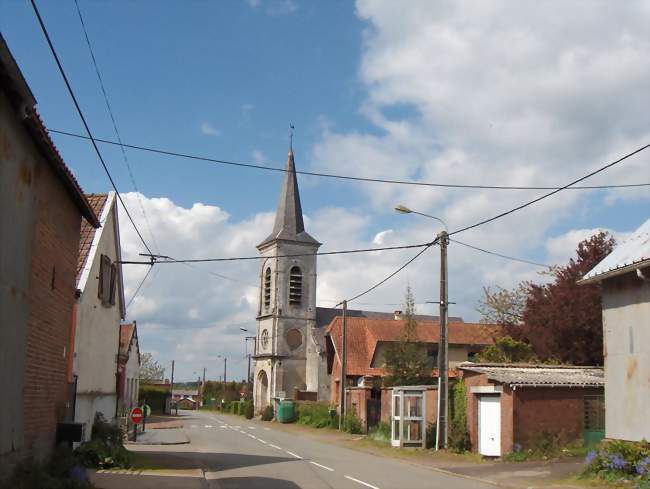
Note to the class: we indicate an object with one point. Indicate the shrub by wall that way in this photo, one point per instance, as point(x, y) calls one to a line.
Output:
point(267, 414)
point(248, 410)
point(316, 414)
point(459, 439)
point(618, 460)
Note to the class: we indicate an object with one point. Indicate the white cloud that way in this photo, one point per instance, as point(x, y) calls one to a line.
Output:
point(560, 248)
point(253, 3)
point(209, 130)
point(247, 108)
point(258, 156)
point(282, 7)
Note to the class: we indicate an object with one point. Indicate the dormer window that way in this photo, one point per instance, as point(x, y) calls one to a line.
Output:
point(267, 288)
point(295, 286)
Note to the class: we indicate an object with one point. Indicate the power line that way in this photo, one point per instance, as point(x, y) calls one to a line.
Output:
point(117, 132)
point(345, 177)
point(83, 119)
point(500, 255)
point(531, 202)
point(139, 286)
point(167, 259)
point(387, 278)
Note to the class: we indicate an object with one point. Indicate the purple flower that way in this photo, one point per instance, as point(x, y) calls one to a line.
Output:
point(617, 462)
point(591, 456)
point(516, 447)
point(642, 466)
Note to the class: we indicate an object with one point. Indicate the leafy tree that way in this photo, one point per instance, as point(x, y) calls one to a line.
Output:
point(563, 320)
point(406, 359)
point(507, 350)
point(150, 369)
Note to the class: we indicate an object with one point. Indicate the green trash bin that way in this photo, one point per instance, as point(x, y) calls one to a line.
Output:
point(286, 411)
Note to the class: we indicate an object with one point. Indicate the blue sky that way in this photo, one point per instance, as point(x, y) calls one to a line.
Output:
point(437, 91)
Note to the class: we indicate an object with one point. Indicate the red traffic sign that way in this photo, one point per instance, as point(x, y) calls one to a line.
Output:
point(137, 415)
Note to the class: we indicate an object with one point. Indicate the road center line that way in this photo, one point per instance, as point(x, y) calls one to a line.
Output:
point(361, 482)
point(252, 436)
point(275, 446)
point(294, 455)
point(262, 441)
point(324, 467)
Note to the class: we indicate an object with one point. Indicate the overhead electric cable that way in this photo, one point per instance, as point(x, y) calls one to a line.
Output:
point(531, 202)
point(117, 132)
point(500, 255)
point(391, 275)
point(139, 286)
point(167, 259)
point(345, 177)
point(83, 119)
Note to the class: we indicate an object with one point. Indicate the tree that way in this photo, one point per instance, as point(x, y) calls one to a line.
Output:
point(406, 359)
point(507, 350)
point(563, 320)
point(150, 369)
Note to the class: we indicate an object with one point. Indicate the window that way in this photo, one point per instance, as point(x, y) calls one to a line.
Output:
point(295, 286)
point(267, 288)
point(107, 277)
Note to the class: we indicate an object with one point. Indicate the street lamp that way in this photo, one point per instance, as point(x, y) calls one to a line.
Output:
point(443, 344)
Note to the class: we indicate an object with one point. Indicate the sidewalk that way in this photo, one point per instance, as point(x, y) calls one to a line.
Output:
point(155, 436)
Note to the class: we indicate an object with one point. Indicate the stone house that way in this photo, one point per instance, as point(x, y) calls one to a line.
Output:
point(518, 406)
point(41, 209)
point(624, 276)
point(97, 315)
point(128, 368)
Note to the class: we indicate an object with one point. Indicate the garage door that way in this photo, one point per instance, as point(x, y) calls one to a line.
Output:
point(489, 426)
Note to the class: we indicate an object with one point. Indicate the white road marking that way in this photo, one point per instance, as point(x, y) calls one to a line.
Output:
point(252, 436)
point(262, 441)
point(275, 446)
point(251, 427)
point(208, 426)
point(361, 482)
point(321, 466)
point(292, 454)
point(223, 426)
point(267, 429)
point(193, 426)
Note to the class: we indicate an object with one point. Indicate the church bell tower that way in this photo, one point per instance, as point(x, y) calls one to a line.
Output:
point(287, 302)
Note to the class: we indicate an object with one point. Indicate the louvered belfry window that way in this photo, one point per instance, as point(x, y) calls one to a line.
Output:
point(267, 288)
point(295, 286)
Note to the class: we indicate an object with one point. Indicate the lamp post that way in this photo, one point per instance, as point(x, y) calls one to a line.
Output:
point(443, 343)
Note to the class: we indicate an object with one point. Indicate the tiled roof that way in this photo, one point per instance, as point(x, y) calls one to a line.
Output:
point(540, 375)
point(630, 254)
point(97, 202)
point(364, 333)
point(126, 333)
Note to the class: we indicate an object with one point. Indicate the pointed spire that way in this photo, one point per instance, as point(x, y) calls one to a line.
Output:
point(289, 224)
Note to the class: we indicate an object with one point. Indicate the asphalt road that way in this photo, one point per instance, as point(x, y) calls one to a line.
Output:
point(237, 453)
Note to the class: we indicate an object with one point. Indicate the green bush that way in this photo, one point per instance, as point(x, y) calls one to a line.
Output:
point(381, 432)
point(316, 414)
point(459, 440)
point(155, 397)
point(105, 449)
point(248, 410)
point(267, 414)
point(617, 459)
point(61, 472)
point(235, 407)
point(352, 424)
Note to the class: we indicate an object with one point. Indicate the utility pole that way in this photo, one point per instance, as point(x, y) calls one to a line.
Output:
point(343, 364)
point(443, 349)
point(172, 389)
point(225, 362)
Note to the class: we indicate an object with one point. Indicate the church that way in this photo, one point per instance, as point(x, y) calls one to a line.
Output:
point(296, 353)
point(290, 345)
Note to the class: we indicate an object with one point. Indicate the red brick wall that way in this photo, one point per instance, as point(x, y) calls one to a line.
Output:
point(51, 297)
point(556, 410)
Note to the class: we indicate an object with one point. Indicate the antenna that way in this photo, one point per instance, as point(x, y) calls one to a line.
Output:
point(291, 128)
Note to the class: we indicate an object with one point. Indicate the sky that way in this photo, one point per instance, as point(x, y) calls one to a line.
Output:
point(491, 92)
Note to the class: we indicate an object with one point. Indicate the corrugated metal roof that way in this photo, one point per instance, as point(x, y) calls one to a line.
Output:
point(540, 375)
point(632, 251)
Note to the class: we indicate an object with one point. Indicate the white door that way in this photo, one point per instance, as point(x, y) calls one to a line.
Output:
point(489, 426)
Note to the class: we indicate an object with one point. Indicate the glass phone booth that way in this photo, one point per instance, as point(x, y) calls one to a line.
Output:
point(408, 427)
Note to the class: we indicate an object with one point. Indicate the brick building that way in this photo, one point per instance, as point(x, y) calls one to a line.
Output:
point(41, 208)
point(369, 337)
point(513, 405)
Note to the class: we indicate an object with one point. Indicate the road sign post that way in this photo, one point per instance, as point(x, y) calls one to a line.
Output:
point(137, 416)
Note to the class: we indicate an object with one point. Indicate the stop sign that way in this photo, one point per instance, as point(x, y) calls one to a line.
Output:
point(137, 415)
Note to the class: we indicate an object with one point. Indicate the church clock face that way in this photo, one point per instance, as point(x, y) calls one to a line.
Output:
point(264, 339)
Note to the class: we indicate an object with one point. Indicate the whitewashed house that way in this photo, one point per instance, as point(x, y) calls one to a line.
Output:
point(97, 315)
point(128, 367)
point(625, 278)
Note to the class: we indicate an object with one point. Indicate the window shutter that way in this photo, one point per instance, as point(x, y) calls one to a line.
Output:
point(113, 283)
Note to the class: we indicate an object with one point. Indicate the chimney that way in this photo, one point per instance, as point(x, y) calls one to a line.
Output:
point(398, 315)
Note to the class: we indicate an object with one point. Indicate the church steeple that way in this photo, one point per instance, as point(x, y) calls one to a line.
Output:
point(289, 224)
